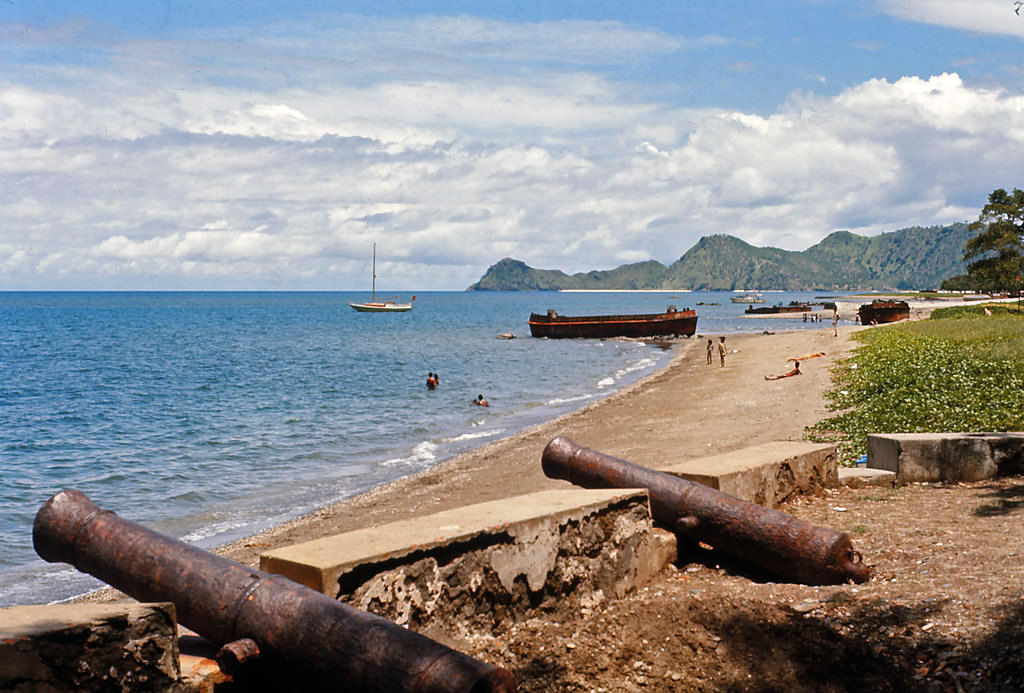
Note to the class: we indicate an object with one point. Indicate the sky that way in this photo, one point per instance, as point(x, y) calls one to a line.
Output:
point(258, 145)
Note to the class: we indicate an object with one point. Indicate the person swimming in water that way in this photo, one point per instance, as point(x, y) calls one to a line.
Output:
point(480, 401)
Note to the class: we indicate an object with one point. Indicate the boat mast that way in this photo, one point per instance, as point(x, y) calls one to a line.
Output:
point(373, 281)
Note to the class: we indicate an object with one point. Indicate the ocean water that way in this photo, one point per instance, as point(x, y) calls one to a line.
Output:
point(210, 416)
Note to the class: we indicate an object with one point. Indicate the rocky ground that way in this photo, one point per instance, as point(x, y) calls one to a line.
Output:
point(942, 612)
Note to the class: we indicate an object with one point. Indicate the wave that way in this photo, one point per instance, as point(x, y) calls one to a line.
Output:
point(568, 400)
point(640, 365)
point(207, 531)
point(474, 436)
point(422, 453)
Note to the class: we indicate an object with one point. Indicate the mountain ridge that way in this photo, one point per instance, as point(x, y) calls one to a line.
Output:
point(910, 258)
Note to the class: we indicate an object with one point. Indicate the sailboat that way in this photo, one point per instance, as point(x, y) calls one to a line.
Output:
point(384, 305)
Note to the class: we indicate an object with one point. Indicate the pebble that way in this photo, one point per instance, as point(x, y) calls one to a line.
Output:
point(805, 606)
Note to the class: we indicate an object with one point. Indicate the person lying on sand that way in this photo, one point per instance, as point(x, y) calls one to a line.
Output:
point(795, 371)
point(806, 356)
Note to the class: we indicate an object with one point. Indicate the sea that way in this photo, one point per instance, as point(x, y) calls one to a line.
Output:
point(209, 416)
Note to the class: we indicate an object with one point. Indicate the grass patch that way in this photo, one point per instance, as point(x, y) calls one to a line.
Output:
point(961, 371)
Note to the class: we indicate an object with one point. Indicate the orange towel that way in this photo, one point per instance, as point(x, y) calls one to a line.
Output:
point(806, 356)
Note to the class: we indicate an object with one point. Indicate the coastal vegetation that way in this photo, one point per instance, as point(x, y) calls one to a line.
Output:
point(961, 370)
point(912, 258)
point(996, 253)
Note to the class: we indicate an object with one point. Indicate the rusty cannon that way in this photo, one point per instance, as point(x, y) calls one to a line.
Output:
point(252, 613)
point(769, 539)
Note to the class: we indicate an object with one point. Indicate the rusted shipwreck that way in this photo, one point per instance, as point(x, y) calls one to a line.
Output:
point(670, 323)
point(881, 311)
point(791, 307)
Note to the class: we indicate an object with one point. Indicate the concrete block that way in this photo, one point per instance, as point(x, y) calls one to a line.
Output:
point(767, 474)
point(947, 456)
point(89, 647)
point(857, 477)
point(471, 567)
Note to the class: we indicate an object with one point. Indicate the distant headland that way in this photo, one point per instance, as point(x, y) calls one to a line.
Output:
point(911, 258)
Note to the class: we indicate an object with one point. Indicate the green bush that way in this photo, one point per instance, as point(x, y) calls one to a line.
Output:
point(959, 371)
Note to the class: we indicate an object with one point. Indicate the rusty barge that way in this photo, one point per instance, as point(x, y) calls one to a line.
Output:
point(879, 312)
point(793, 307)
point(671, 322)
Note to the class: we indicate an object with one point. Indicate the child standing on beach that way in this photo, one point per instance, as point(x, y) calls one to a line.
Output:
point(711, 350)
point(721, 350)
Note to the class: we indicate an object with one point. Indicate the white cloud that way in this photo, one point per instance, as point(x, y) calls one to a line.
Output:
point(982, 16)
point(152, 179)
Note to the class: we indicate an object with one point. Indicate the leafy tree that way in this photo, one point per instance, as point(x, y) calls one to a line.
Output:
point(996, 254)
point(960, 282)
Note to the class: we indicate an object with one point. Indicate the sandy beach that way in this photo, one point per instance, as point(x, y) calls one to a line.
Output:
point(942, 610)
point(688, 409)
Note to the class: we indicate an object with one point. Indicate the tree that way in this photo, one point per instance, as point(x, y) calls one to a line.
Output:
point(996, 254)
point(960, 282)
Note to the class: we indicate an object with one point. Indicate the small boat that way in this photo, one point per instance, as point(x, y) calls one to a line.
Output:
point(793, 307)
point(880, 311)
point(747, 298)
point(671, 322)
point(384, 305)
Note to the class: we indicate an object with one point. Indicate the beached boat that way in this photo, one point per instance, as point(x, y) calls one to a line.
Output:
point(881, 311)
point(793, 307)
point(671, 322)
point(383, 305)
point(747, 298)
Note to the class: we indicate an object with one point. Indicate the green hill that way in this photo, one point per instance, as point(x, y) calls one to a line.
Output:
point(913, 258)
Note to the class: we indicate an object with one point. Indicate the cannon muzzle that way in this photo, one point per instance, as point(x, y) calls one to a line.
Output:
point(225, 602)
point(772, 540)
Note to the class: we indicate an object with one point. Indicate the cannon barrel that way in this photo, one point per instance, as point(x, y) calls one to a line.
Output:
point(225, 601)
point(772, 540)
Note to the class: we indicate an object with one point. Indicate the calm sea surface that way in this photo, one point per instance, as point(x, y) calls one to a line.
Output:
point(210, 416)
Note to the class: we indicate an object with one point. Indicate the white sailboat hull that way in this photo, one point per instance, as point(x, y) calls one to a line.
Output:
point(384, 305)
point(379, 307)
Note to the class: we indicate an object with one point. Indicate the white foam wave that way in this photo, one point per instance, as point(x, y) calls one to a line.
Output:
point(474, 436)
point(422, 453)
point(638, 366)
point(606, 382)
point(568, 400)
point(213, 530)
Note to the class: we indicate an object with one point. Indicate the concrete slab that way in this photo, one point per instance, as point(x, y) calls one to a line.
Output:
point(768, 474)
point(319, 563)
point(947, 456)
point(89, 647)
point(488, 562)
point(856, 477)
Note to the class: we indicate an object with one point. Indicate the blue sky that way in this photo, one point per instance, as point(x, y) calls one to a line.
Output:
point(267, 145)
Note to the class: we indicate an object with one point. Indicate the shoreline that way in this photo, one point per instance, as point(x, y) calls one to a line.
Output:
point(643, 422)
point(636, 423)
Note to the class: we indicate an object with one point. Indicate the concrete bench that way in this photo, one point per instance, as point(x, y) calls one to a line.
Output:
point(487, 562)
point(90, 647)
point(947, 456)
point(767, 474)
